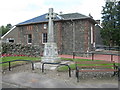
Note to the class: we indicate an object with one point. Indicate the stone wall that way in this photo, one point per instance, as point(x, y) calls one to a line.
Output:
point(19, 49)
point(81, 40)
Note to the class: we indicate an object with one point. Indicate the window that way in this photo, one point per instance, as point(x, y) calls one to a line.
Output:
point(44, 38)
point(29, 27)
point(10, 40)
point(29, 37)
point(45, 26)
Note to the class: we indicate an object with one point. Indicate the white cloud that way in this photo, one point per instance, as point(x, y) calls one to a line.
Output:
point(93, 7)
point(16, 11)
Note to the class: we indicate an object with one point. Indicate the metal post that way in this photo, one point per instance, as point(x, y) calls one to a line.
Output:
point(69, 70)
point(111, 57)
point(73, 55)
point(9, 66)
point(118, 73)
point(32, 65)
point(92, 56)
point(43, 67)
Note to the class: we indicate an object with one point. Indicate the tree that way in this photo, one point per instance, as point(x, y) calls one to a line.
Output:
point(5, 29)
point(111, 29)
point(118, 24)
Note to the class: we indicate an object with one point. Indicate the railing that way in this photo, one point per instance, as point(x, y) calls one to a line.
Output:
point(58, 64)
point(94, 53)
point(17, 60)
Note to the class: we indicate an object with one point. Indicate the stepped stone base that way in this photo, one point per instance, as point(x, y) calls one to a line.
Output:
point(51, 59)
point(50, 53)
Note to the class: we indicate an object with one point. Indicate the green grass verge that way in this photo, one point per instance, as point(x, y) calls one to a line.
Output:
point(34, 59)
point(70, 59)
point(4, 59)
point(72, 66)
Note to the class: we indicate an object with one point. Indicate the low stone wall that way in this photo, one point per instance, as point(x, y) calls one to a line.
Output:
point(19, 49)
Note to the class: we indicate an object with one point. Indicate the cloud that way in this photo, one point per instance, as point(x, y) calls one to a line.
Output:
point(16, 11)
point(85, 7)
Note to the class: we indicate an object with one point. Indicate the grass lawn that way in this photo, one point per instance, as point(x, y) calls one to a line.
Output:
point(72, 66)
point(34, 59)
point(4, 59)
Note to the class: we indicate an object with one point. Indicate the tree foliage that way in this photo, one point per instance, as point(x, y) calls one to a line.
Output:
point(111, 24)
point(5, 29)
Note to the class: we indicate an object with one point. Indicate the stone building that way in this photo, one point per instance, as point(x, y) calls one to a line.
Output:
point(72, 32)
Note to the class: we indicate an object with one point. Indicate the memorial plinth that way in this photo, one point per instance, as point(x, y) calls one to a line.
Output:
point(50, 53)
point(50, 49)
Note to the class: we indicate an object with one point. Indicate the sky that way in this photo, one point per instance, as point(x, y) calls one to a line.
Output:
point(16, 11)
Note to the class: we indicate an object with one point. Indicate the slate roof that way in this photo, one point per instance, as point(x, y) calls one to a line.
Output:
point(38, 19)
point(42, 18)
point(73, 16)
point(34, 20)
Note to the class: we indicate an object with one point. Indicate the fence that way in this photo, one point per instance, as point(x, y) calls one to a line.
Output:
point(17, 60)
point(99, 56)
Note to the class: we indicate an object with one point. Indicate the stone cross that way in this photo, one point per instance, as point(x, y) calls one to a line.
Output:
point(50, 49)
point(51, 15)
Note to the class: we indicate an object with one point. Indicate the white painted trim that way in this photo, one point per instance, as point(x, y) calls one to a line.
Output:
point(45, 26)
point(8, 32)
point(28, 38)
point(98, 25)
point(10, 39)
point(60, 17)
point(42, 39)
point(91, 34)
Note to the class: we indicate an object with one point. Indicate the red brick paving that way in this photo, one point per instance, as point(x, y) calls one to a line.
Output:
point(96, 57)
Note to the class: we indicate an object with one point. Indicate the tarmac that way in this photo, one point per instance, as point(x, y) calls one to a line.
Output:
point(32, 80)
point(35, 80)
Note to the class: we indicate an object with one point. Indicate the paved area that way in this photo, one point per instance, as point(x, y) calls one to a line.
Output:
point(34, 80)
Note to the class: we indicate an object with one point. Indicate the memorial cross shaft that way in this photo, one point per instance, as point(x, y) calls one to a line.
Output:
point(51, 15)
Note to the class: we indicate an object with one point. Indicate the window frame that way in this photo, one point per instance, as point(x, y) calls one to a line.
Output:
point(45, 26)
point(29, 38)
point(8, 40)
point(92, 38)
point(30, 27)
point(44, 38)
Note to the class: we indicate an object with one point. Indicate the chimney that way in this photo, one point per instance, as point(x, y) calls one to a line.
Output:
point(90, 15)
point(98, 22)
point(61, 12)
